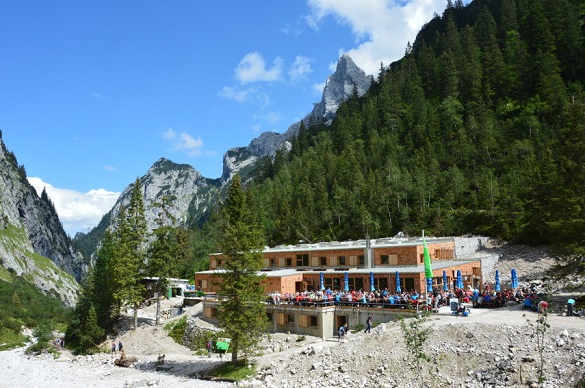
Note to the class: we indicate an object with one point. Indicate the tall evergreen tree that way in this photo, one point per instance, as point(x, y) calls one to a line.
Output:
point(162, 251)
point(241, 289)
point(131, 235)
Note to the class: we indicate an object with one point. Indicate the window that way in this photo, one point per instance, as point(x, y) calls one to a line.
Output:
point(385, 260)
point(269, 317)
point(313, 320)
point(273, 262)
point(281, 319)
point(303, 260)
point(361, 260)
point(291, 318)
point(288, 262)
point(307, 320)
point(333, 283)
point(380, 283)
point(356, 283)
point(408, 284)
point(322, 261)
point(341, 260)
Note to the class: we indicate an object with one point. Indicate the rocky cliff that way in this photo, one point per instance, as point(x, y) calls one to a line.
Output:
point(191, 196)
point(33, 243)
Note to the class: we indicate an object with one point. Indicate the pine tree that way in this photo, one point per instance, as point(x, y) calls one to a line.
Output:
point(241, 289)
point(161, 253)
point(103, 286)
point(129, 269)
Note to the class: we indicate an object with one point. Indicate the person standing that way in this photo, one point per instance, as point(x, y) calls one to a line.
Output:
point(114, 347)
point(209, 348)
point(120, 346)
point(342, 331)
point(368, 324)
point(570, 307)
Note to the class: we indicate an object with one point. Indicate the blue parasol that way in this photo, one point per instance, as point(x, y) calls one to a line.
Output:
point(321, 281)
point(498, 285)
point(398, 289)
point(514, 278)
point(346, 281)
point(372, 287)
point(445, 286)
point(459, 280)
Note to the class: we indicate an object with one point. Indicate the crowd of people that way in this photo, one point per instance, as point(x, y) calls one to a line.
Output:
point(487, 297)
point(379, 298)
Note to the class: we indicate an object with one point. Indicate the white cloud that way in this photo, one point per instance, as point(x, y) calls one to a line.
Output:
point(234, 93)
point(78, 212)
point(110, 168)
point(300, 67)
point(252, 68)
point(290, 30)
point(382, 28)
point(183, 142)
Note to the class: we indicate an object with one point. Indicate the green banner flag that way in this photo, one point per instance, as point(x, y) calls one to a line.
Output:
point(428, 267)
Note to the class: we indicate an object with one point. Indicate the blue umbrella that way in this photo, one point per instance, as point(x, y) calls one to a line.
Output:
point(321, 281)
point(445, 286)
point(514, 278)
point(459, 281)
point(498, 285)
point(346, 281)
point(372, 288)
point(398, 289)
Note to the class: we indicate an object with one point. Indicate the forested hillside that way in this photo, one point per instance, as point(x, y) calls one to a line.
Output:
point(480, 128)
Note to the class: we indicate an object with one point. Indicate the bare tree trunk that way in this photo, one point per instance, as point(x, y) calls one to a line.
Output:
point(234, 353)
point(135, 315)
point(158, 308)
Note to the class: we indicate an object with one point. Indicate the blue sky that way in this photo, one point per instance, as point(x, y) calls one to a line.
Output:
point(93, 92)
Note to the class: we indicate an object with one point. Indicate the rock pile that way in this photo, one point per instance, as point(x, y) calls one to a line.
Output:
point(460, 354)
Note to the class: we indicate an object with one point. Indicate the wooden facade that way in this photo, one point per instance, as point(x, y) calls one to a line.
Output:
point(298, 268)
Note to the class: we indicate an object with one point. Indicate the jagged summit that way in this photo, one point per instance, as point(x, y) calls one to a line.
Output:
point(338, 87)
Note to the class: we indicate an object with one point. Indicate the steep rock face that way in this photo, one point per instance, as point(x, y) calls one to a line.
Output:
point(237, 160)
point(31, 233)
point(189, 192)
point(348, 77)
point(339, 86)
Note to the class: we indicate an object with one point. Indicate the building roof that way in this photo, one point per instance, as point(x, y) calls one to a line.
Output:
point(402, 269)
point(356, 244)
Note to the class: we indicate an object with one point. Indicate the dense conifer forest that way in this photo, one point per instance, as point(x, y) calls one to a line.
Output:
point(479, 128)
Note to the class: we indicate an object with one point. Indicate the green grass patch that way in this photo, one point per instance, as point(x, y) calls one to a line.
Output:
point(176, 329)
point(10, 339)
point(22, 304)
point(234, 371)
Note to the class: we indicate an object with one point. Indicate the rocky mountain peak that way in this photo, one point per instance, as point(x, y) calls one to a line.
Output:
point(346, 79)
